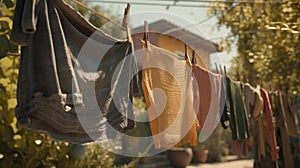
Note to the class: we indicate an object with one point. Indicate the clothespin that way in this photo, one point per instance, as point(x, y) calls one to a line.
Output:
point(186, 57)
point(194, 61)
point(221, 71)
point(125, 22)
point(244, 78)
point(185, 52)
point(261, 83)
point(270, 87)
point(278, 86)
point(146, 33)
point(238, 76)
point(217, 69)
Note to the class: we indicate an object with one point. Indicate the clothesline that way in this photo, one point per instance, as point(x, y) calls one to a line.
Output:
point(96, 12)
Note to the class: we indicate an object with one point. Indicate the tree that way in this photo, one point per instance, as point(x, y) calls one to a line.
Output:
point(267, 35)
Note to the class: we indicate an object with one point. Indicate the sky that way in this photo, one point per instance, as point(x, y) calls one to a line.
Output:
point(181, 16)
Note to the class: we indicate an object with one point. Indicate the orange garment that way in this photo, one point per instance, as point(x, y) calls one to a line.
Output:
point(209, 88)
point(167, 86)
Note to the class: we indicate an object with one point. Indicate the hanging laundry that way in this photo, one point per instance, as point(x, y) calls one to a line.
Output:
point(224, 111)
point(238, 115)
point(270, 125)
point(249, 97)
point(66, 85)
point(167, 86)
point(291, 117)
point(254, 106)
point(239, 148)
point(280, 112)
point(209, 88)
point(295, 113)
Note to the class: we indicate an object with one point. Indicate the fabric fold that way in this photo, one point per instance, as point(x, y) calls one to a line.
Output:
point(209, 90)
point(72, 76)
point(238, 116)
point(224, 111)
point(254, 106)
point(29, 18)
point(167, 86)
point(280, 114)
point(267, 109)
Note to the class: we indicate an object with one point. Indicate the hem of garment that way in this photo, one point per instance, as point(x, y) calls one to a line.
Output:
point(41, 112)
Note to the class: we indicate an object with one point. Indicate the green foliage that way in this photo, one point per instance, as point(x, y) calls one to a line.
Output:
point(6, 14)
point(216, 144)
point(267, 36)
point(142, 129)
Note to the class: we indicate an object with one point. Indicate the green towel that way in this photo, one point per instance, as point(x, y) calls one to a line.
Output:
point(238, 115)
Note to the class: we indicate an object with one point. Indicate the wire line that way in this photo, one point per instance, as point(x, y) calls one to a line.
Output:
point(96, 13)
point(152, 4)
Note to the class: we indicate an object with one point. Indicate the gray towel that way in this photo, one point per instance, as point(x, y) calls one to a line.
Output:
point(72, 76)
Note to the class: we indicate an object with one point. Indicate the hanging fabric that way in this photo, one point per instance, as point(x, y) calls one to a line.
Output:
point(280, 112)
point(238, 116)
point(270, 125)
point(168, 94)
point(73, 95)
point(291, 117)
point(254, 106)
point(224, 111)
point(209, 91)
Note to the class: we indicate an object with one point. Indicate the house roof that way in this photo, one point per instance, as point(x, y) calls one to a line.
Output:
point(191, 39)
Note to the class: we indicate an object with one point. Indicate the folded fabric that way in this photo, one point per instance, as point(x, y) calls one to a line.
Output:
point(209, 88)
point(270, 125)
point(238, 116)
point(167, 86)
point(70, 74)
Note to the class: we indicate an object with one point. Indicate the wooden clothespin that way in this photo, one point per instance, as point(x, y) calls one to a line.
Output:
point(146, 34)
point(185, 52)
point(186, 57)
point(217, 69)
point(238, 76)
point(278, 86)
point(244, 78)
point(221, 71)
point(270, 86)
point(125, 22)
point(225, 73)
point(194, 61)
point(261, 83)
